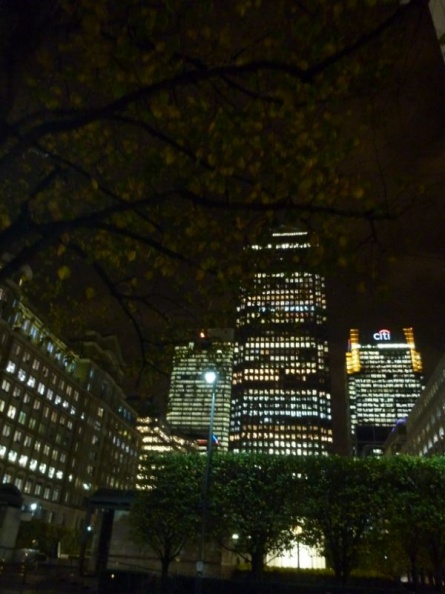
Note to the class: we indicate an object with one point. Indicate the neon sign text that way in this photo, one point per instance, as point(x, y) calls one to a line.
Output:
point(382, 335)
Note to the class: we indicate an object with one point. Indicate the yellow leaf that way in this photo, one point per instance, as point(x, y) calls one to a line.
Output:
point(64, 272)
point(90, 293)
point(5, 221)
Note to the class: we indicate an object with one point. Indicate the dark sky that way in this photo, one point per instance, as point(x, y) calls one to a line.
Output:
point(408, 147)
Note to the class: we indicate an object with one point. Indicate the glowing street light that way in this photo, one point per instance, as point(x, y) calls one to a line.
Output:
point(211, 378)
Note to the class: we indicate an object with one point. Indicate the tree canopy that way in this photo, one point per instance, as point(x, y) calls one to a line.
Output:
point(144, 144)
point(166, 515)
point(355, 511)
point(256, 497)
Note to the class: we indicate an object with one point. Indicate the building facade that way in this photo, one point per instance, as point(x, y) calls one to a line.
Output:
point(424, 430)
point(281, 389)
point(384, 381)
point(65, 427)
point(190, 397)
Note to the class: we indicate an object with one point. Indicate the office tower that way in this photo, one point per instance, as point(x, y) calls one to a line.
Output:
point(158, 438)
point(280, 393)
point(190, 396)
point(384, 380)
point(423, 434)
point(65, 428)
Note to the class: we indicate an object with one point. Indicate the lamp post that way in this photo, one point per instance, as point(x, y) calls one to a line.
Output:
point(211, 378)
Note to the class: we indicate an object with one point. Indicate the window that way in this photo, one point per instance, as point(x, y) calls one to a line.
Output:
point(6, 386)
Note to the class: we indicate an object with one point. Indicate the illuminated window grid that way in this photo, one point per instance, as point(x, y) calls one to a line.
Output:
point(383, 383)
point(190, 396)
point(281, 350)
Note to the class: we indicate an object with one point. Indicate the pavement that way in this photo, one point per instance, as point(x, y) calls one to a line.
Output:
point(45, 580)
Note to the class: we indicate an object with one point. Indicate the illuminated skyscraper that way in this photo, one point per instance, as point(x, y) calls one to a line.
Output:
point(280, 393)
point(190, 396)
point(384, 378)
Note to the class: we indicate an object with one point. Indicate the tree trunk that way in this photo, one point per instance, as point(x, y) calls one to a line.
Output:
point(414, 570)
point(165, 564)
point(257, 564)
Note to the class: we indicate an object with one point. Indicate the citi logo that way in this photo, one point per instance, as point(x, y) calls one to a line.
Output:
point(382, 335)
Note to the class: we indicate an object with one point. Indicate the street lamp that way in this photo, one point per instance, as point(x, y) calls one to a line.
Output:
point(211, 378)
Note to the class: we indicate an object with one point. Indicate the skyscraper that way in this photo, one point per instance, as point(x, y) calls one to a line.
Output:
point(280, 393)
point(384, 380)
point(190, 396)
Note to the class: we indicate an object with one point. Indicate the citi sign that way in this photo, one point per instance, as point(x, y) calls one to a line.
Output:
point(382, 335)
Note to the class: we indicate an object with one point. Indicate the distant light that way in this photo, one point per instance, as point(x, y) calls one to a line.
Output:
point(33, 507)
point(210, 377)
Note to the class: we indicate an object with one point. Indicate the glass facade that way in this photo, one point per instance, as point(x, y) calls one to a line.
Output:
point(190, 396)
point(384, 380)
point(280, 394)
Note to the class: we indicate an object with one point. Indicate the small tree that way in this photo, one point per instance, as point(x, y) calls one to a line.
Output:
point(343, 501)
point(165, 515)
point(254, 496)
point(405, 508)
point(416, 511)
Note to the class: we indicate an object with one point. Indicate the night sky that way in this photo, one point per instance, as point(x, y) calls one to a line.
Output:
point(409, 290)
